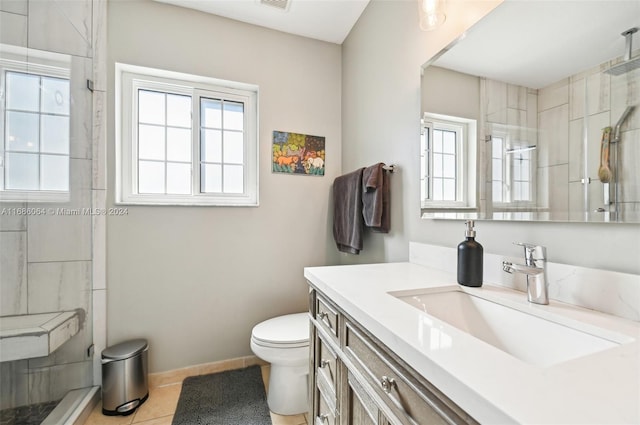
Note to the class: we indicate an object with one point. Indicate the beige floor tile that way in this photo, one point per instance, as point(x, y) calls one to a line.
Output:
point(165, 420)
point(287, 420)
point(97, 418)
point(162, 401)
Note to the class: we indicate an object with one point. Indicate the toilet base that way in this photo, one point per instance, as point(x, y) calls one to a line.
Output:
point(288, 388)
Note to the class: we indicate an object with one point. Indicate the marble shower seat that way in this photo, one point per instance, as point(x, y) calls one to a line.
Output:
point(37, 335)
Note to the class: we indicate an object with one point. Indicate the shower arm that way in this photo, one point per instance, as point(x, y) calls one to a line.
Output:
point(623, 117)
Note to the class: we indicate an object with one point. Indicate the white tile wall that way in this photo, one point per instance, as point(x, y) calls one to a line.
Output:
point(554, 95)
point(14, 384)
point(553, 146)
point(99, 226)
point(559, 191)
point(629, 157)
point(10, 221)
point(516, 97)
point(99, 331)
point(99, 39)
point(99, 185)
point(59, 286)
point(595, 125)
point(53, 382)
point(81, 108)
point(62, 26)
point(14, 6)
point(496, 108)
point(13, 29)
point(598, 92)
point(577, 92)
point(60, 236)
point(99, 160)
point(576, 149)
point(64, 258)
point(13, 279)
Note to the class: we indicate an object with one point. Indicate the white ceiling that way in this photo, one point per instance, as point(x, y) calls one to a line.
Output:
point(534, 43)
point(326, 20)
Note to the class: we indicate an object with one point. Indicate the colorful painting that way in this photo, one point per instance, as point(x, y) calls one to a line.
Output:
point(295, 153)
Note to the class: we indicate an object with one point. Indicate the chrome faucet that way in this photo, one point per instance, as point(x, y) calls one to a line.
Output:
point(535, 268)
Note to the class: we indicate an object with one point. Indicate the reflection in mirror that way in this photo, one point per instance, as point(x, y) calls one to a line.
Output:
point(556, 119)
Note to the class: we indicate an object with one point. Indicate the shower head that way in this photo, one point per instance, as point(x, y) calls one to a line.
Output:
point(628, 64)
point(624, 67)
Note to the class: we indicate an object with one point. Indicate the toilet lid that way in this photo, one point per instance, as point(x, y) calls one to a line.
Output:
point(291, 330)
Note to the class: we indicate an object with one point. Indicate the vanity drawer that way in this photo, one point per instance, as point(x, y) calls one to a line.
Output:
point(327, 316)
point(326, 414)
point(326, 363)
point(409, 401)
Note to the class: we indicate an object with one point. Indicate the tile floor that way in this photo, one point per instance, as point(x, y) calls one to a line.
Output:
point(162, 403)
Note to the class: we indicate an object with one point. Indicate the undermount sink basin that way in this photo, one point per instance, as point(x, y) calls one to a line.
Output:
point(537, 340)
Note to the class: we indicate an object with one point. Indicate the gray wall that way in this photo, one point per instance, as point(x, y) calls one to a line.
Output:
point(450, 93)
point(381, 103)
point(195, 280)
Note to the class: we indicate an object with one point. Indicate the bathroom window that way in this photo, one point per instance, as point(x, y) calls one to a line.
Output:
point(185, 140)
point(35, 115)
point(445, 158)
point(511, 170)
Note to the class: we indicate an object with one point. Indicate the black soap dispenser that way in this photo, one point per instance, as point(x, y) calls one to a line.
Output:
point(470, 259)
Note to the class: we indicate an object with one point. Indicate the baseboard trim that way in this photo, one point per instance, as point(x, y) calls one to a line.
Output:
point(176, 376)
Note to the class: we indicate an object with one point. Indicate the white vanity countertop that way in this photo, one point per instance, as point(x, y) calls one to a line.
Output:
point(489, 384)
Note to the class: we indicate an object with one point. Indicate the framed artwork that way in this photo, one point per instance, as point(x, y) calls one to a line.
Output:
point(295, 153)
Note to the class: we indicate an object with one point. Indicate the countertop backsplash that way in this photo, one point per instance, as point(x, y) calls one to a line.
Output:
point(605, 291)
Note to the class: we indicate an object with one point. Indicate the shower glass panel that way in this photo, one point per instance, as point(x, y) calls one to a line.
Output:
point(46, 241)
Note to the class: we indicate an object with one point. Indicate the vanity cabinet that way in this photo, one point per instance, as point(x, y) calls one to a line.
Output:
point(356, 380)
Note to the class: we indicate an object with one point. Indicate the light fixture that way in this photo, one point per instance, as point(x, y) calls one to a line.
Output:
point(431, 14)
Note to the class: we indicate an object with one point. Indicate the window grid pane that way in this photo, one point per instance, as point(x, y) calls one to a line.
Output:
point(164, 143)
point(521, 177)
point(36, 122)
point(497, 168)
point(443, 173)
point(222, 145)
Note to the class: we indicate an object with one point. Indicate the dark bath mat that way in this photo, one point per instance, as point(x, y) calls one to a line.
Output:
point(234, 397)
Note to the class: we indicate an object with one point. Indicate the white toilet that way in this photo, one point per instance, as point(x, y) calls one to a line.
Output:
point(284, 342)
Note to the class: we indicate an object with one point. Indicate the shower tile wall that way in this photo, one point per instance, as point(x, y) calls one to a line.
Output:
point(49, 262)
point(510, 109)
point(600, 98)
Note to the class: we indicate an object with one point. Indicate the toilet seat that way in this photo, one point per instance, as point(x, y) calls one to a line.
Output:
point(288, 331)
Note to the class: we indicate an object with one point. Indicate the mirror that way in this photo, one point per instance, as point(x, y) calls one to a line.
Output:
point(534, 115)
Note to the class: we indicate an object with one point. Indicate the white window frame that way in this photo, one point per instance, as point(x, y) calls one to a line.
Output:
point(42, 64)
point(131, 78)
point(466, 131)
point(508, 151)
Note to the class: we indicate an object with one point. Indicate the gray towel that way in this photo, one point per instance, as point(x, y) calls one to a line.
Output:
point(375, 198)
point(347, 212)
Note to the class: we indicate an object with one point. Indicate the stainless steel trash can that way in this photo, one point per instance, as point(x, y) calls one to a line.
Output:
point(124, 377)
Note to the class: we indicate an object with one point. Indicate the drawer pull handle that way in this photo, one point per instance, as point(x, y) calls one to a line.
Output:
point(387, 384)
point(321, 419)
point(324, 363)
point(324, 317)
